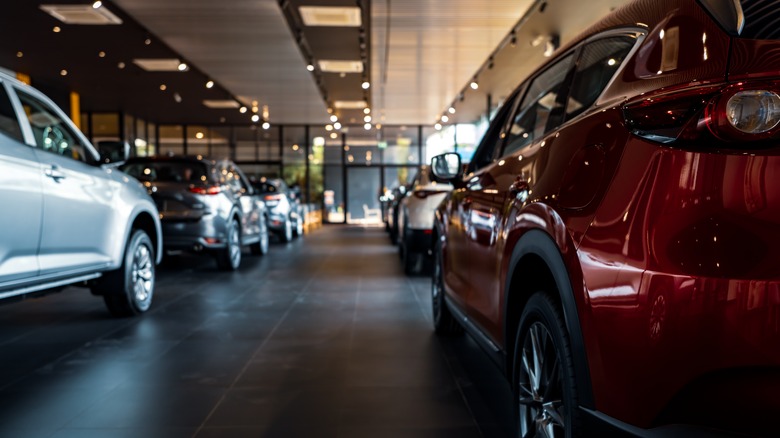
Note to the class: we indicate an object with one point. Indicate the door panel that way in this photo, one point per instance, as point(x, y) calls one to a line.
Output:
point(78, 214)
point(78, 227)
point(20, 222)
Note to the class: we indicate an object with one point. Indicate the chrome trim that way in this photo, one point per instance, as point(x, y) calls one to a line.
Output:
point(51, 285)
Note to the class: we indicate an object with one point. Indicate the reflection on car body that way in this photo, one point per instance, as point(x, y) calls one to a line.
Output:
point(613, 243)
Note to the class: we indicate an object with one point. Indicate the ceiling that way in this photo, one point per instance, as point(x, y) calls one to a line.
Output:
point(419, 56)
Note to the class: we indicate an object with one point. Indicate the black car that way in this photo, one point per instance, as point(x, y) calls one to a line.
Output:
point(205, 206)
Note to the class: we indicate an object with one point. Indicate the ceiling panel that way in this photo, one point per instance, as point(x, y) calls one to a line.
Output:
point(245, 45)
point(423, 52)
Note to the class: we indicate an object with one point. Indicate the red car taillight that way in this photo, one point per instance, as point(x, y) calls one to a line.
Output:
point(736, 116)
point(273, 197)
point(422, 194)
point(210, 190)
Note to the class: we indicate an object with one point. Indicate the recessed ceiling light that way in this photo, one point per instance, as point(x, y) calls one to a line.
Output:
point(147, 41)
point(451, 110)
point(367, 119)
point(366, 110)
point(474, 85)
point(437, 126)
point(199, 135)
point(333, 135)
point(63, 72)
point(97, 4)
point(338, 16)
point(266, 125)
point(160, 64)
point(366, 85)
point(310, 67)
point(183, 67)
point(334, 118)
point(177, 97)
point(242, 110)
point(367, 126)
point(163, 87)
point(210, 84)
point(121, 65)
point(337, 125)
point(57, 29)
point(222, 104)
point(81, 14)
point(19, 54)
point(337, 66)
point(349, 104)
point(102, 54)
point(445, 118)
point(255, 118)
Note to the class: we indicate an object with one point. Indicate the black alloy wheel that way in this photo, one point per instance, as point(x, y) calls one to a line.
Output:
point(544, 387)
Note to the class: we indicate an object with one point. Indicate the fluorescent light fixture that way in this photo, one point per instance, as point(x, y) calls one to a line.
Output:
point(336, 66)
point(81, 14)
point(333, 16)
point(350, 104)
point(221, 104)
point(159, 64)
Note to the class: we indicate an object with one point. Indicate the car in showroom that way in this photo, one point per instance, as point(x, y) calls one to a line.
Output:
point(415, 219)
point(285, 212)
point(69, 217)
point(390, 201)
point(206, 206)
point(613, 244)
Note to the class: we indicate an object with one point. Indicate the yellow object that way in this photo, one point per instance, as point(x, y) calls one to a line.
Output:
point(75, 108)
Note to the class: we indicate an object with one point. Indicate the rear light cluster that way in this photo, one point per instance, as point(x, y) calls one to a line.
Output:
point(209, 190)
point(422, 194)
point(742, 115)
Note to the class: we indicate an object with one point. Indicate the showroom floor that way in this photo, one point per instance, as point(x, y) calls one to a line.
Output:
point(323, 337)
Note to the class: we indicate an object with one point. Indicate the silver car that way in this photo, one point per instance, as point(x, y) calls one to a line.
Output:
point(68, 216)
point(205, 206)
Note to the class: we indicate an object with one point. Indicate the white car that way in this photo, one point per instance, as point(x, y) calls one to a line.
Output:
point(415, 219)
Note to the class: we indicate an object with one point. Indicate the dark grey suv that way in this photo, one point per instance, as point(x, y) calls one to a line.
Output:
point(205, 206)
point(69, 217)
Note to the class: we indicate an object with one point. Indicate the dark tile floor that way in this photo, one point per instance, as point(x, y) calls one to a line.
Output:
point(323, 337)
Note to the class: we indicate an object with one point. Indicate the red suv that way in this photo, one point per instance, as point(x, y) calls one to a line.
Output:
point(614, 244)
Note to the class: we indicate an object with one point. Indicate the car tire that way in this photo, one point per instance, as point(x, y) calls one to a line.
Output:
point(287, 233)
point(298, 231)
point(260, 247)
point(408, 258)
point(444, 323)
point(229, 258)
point(546, 405)
point(128, 291)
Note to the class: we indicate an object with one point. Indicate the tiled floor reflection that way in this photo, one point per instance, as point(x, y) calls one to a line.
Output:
point(323, 337)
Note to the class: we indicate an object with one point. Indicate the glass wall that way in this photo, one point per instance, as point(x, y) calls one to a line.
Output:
point(171, 139)
point(342, 172)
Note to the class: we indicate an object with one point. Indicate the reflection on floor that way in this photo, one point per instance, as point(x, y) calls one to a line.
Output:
point(323, 337)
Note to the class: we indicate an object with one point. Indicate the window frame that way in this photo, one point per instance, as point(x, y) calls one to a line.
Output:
point(91, 157)
point(563, 95)
point(14, 103)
